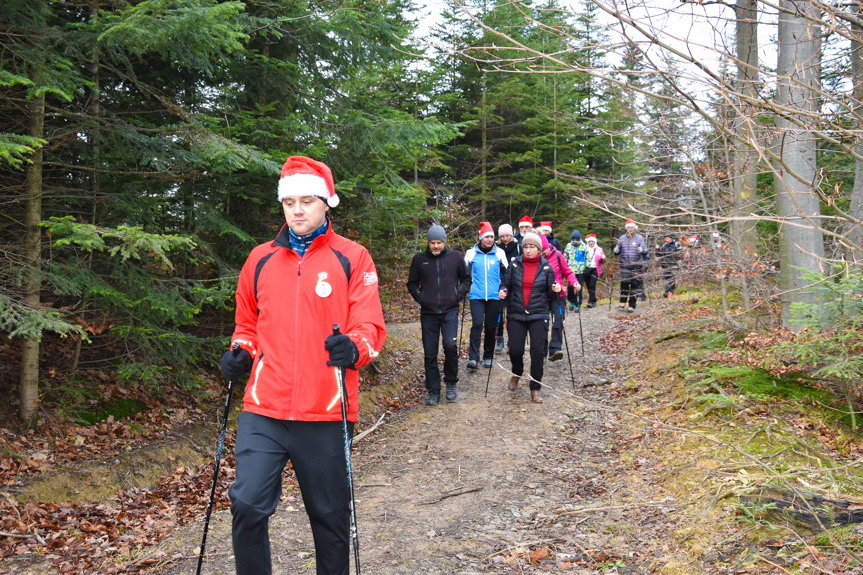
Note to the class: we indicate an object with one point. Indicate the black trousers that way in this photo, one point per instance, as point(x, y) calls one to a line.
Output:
point(576, 297)
point(631, 285)
point(518, 330)
point(485, 315)
point(317, 451)
point(589, 284)
point(436, 326)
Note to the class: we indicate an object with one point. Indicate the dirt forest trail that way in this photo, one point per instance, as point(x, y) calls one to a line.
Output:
point(497, 483)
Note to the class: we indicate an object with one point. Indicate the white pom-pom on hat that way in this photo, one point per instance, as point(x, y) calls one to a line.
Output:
point(302, 176)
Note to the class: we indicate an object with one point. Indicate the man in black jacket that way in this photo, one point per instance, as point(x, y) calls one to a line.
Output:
point(438, 280)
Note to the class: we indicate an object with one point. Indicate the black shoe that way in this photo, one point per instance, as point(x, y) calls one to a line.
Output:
point(434, 398)
point(471, 364)
point(498, 346)
point(451, 393)
point(591, 305)
point(486, 363)
point(643, 297)
point(556, 355)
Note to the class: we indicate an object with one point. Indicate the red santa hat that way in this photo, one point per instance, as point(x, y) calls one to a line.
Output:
point(525, 221)
point(485, 229)
point(590, 237)
point(545, 226)
point(302, 176)
point(630, 223)
point(715, 233)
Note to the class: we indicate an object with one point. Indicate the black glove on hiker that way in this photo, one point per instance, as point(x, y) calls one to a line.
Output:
point(236, 363)
point(343, 351)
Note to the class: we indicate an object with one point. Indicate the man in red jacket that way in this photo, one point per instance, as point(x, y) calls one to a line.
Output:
point(290, 293)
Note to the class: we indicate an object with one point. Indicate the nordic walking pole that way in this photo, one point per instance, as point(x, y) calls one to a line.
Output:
point(492, 351)
point(461, 331)
point(343, 392)
point(566, 342)
point(610, 290)
point(581, 333)
point(221, 443)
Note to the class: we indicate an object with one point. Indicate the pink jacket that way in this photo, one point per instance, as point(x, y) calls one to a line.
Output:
point(599, 258)
point(559, 265)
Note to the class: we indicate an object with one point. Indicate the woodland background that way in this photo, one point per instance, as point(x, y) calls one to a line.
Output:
point(141, 142)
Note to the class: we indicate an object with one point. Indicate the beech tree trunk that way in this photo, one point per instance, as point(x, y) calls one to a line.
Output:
point(745, 156)
point(855, 231)
point(797, 205)
point(28, 385)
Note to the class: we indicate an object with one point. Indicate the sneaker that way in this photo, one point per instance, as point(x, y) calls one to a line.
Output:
point(671, 294)
point(571, 306)
point(472, 364)
point(621, 306)
point(630, 309)
point(486, 363)
point(451, 393)
point(577, 309)
point(556, 355)
point(434, 398)
point(498, 347)
point(591, 305)
point(643, 297)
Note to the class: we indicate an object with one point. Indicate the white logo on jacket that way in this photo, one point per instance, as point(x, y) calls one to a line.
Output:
point(323, 289)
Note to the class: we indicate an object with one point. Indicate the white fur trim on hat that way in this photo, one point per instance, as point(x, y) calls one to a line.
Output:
point(299, 185)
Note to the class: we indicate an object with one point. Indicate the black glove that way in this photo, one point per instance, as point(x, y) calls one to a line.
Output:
point(236, 363)
point(343, 351)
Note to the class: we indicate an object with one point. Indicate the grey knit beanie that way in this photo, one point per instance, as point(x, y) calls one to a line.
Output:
point(437, 234)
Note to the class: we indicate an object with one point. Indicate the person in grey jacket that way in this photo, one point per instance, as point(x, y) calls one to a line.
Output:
point(438, 280)
point(633, 253)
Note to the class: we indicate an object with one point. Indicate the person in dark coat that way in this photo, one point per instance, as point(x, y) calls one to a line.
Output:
point(438, 281)
point(669, 260)
point(512, 249)
point(633, 253)
point(529, 286)
point(546, 230)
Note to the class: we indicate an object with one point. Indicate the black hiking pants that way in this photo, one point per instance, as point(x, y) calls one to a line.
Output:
point(437, 326)
point(631, 285)
point(485, 313)
point(518, 330)
point(316, 450)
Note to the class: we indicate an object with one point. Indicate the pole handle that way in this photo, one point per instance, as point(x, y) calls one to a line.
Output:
point(336, 329)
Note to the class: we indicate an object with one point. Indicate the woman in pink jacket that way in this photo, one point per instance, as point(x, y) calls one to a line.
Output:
point(561, 271)
point(595, 257)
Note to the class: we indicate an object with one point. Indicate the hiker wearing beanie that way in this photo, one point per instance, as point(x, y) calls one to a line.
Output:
point(574, 252)
point(594, 257)
point(633, 254)
point(557, 307)
point(486, 265)
point(512, 249)
point(438, 281)
point(529, 287)
point(291, 408)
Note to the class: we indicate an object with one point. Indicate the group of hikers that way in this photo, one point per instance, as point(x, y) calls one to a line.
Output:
point(308, 316)
point(517, 281)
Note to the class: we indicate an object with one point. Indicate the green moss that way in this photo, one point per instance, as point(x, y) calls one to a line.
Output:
point(761, 384)
point(119, 409)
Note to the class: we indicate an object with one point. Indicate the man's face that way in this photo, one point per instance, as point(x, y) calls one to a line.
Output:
point(544, 231)
point(487, 242)
point(524, 229)
point(506, 238)
point(304, 214)
point(667, 240)
point(436, 246)
point(630, 231)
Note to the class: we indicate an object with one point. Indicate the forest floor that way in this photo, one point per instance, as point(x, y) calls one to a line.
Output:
point(618, 471)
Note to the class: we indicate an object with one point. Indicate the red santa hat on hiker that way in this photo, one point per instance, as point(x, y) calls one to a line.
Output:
point(525, 221)
point(590, 237)
point(485, 229)
point(630, 224)
point(302, 176)
point(545, 226)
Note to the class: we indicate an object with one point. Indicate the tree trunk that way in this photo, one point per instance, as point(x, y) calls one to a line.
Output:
point(484, 150)
point(745, 157)
point(28, 386)
point(798, 207)
point(855, 231)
